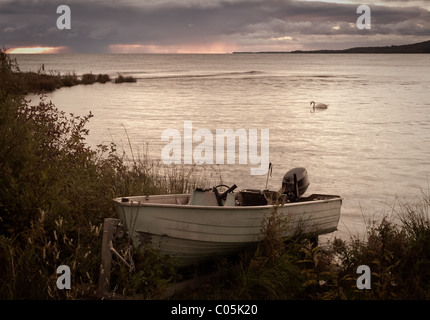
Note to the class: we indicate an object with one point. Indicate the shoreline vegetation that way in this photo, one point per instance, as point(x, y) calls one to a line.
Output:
point(56, 191)
point(42, 81)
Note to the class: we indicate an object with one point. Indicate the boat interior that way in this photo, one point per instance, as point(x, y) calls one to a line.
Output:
point(245, 197)
point(294, 185)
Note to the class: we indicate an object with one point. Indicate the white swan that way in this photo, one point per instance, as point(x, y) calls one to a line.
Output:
point(318, 106)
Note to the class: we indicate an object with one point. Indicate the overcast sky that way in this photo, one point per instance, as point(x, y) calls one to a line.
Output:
point(208, 26)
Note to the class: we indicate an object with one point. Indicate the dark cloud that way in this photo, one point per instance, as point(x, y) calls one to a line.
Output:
point(249, 24)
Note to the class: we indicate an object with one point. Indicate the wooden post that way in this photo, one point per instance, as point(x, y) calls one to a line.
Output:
point(109, 230)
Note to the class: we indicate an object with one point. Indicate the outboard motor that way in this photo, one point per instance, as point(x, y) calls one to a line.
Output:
point(295, 183)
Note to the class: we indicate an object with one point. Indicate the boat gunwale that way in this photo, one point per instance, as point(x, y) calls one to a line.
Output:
point(131, 203)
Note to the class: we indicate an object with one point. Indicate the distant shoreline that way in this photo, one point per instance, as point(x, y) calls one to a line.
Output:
point(416, 48)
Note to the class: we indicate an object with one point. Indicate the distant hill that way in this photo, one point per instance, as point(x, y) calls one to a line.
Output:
point(422, 47)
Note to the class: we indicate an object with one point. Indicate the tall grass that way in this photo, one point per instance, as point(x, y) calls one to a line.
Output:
point(396, 248)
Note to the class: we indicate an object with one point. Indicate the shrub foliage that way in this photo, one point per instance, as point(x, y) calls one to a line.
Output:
point(55, 192)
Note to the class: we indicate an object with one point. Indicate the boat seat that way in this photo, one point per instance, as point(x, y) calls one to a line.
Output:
point(201, 197)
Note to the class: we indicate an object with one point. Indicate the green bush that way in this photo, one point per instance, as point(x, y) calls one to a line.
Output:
point(48, 175)
point(55, 192)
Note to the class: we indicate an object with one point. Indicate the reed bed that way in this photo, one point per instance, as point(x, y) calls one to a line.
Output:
point(121, 79)
point(43, 81)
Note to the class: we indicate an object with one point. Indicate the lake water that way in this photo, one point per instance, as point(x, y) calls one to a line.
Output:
point(370, 146)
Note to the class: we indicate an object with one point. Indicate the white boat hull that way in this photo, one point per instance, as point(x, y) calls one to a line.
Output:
point(195, 233)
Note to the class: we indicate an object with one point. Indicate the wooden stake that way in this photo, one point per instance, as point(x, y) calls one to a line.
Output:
point(109, 230)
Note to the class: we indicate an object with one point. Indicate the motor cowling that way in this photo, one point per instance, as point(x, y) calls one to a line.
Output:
point(295, 183)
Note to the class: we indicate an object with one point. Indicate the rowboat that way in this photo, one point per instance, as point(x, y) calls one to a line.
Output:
point(206, 223)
